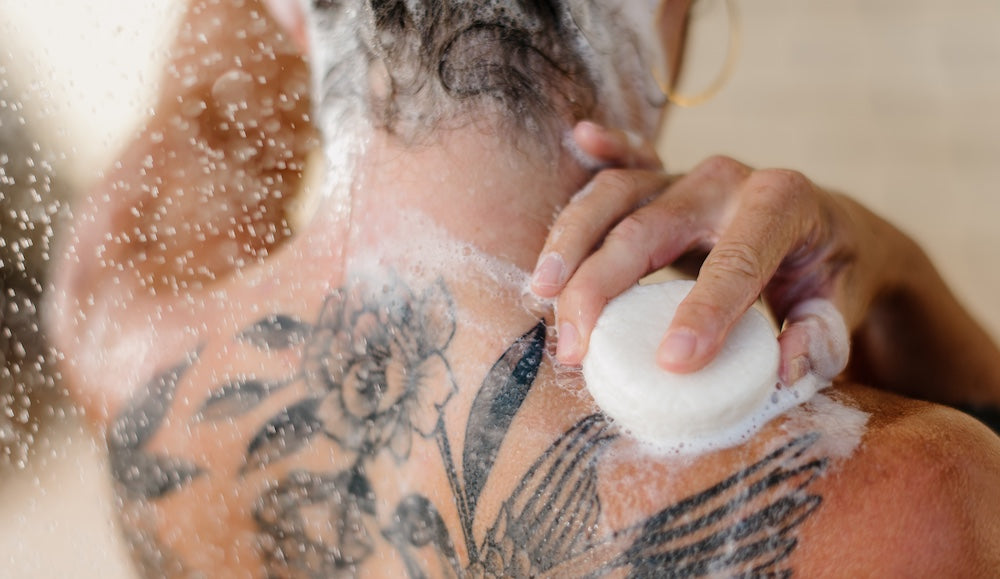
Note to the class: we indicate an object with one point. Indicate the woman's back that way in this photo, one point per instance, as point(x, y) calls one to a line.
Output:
point(395, 425)
point(373, 397)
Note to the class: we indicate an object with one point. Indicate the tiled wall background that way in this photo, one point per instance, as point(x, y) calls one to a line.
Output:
point(892, 101)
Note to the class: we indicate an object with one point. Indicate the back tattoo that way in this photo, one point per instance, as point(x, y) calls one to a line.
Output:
point(374, 379)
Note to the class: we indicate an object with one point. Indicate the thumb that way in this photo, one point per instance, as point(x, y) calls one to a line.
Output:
point(814, 341)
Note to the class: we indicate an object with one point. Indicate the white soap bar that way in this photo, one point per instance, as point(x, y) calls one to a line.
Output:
point(718, 406)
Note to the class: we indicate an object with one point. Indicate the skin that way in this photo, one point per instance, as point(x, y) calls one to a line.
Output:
point(216, 374)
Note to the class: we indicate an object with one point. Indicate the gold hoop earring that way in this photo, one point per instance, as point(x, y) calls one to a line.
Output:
point(732, 55)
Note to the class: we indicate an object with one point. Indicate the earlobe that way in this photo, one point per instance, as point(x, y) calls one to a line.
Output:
point(291, 16)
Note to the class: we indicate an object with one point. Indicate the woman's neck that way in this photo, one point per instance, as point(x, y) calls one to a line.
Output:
point(470, 190)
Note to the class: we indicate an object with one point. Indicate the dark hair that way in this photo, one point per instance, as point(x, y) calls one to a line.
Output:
point(437, 59)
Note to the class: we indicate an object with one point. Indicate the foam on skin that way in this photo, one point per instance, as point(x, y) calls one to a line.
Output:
point(719, 406)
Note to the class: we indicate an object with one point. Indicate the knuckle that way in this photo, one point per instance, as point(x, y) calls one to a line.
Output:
point(737, 260)
point(572, 232)
point(577, 210)
point(721, 166)
point(630, 231)
point(617, 182)
point(581, 302)
point(780, 186)
point(792, 181)
point(706, 312)
point(591, 211)
point(572, 243)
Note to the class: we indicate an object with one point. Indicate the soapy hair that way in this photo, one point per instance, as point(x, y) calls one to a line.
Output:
point(413, 65)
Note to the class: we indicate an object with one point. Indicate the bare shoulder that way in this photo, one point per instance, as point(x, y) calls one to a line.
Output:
point(917, 497)
point(198, 196)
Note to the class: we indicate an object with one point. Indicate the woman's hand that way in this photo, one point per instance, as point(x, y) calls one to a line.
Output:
point(761, 232)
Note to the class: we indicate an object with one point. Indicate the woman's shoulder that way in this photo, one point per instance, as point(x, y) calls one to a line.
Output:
point(917, 497)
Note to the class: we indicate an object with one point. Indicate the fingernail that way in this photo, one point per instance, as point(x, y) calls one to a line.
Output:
point(569, 342)
point(796, 369)
point(678, 347)
point(550, 272)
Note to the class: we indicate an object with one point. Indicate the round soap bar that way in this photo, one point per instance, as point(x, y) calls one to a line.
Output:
point(717, 406)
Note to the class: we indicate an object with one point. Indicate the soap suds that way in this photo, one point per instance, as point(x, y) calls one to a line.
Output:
point(423, 252)
point(439, 251)
point(842, 426)
point(621, 45)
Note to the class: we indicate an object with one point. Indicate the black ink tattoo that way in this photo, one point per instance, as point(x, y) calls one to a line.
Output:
point(291, 540)
point(139, 473)
point(742, 526)
point(236, 398)
point(142, 475)
point(503, 391)
point(551, 518)
point(375, 377)
point(275, 333)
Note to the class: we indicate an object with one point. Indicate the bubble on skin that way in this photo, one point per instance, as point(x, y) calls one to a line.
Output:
point(841, 428)
point(193, 107)
point(536, 304)
point(442, 254)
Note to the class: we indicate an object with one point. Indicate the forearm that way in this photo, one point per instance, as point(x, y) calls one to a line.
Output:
point(917, 339)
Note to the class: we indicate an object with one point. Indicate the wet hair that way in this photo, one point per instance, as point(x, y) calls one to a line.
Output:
point(424, 63)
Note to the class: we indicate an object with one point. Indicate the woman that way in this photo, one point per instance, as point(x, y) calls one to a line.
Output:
point(371, 396)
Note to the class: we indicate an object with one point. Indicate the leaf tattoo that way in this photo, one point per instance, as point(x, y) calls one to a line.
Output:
point(283, 435)
point(502, 393)
point(236, 398)
point(277, 332)
point(139, 473)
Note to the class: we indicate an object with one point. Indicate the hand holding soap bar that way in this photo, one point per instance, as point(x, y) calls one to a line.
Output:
point(717, 406)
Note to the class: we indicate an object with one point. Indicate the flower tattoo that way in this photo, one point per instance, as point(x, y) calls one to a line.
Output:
point(377, 363)
point(295, 522)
